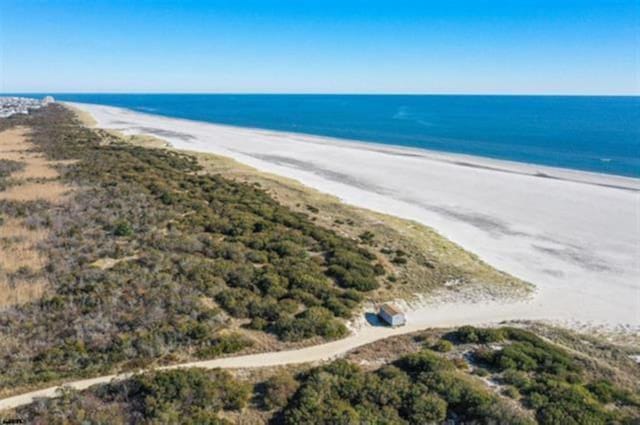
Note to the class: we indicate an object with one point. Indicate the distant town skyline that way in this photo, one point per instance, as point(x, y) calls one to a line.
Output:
point(406, 47)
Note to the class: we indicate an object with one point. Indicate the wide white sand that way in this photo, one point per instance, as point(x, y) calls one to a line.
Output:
point(575, 235)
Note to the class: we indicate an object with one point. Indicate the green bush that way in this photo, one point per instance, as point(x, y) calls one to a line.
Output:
point(422, 388)
point(424, 361)
point(548, 379)
point(189, 239)
point(427, 408)
point(470, 334)
point(314, 321)
point(122, 228)
point(224, 344)
point(278, 390)
point(367, 237)
point(442, 346)
point(511, 392)
point(182, 396)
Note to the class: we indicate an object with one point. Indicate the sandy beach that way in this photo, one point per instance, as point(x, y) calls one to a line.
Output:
point(574, 235)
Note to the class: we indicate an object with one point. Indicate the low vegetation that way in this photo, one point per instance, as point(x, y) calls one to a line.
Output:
point(136, 256)
point(547, 378)
point(190, 396)
point(200, 254)
point(8, 167)
point(418, 387)
point(411, 258)
point(27, 176)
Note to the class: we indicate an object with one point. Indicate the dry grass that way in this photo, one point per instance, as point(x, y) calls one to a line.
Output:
point(148, 141)
point(47, 191)
point(21, 292)
point(14, 145)
point(36, 167)
point(20, 260)
point(385, 351)
point(14, 140)
point(18, 247)
point(19, 251)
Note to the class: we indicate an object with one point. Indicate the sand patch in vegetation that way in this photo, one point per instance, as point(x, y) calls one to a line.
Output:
point(36, 167)
point(108, 263)
point(14, 140)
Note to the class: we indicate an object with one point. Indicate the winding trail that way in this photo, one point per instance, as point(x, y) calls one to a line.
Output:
point(585, 264)
point(429, 316)
point(311, 354)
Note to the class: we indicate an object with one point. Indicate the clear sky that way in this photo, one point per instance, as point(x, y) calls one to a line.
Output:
point(327, 46)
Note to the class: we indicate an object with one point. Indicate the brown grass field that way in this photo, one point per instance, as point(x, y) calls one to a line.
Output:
point(20, 261)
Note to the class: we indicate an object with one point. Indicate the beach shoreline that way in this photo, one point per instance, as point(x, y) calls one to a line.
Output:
point(571, 233)
point(460, 159)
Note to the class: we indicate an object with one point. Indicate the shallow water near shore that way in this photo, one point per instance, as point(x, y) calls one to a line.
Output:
point(592, 133)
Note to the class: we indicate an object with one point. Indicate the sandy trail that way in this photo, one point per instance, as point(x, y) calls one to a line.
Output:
point(575, 235)
point(439, 316)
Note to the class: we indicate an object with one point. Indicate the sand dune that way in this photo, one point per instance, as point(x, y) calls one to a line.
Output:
point(575, 235)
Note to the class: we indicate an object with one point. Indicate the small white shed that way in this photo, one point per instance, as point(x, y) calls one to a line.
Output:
point(392, 315)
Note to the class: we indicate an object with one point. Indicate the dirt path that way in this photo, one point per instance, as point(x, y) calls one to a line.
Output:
point(438, 316)
point(314, 354)
point(14, 145)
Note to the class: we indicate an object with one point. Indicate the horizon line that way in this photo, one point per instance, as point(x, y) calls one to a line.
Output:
point(318, 93)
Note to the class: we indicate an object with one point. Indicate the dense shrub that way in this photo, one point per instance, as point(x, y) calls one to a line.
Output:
point(548, 378)
point(443, 346)
point(422, 388)
point(470, 334)
point(185, 396)
point(192, 242)
point(278, 390)
point(180, 392)
point(314, 321)
point(224, 344)
point(122, 228)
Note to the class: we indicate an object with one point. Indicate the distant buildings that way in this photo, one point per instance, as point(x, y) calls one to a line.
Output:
point(21, 105)
point(391, 315)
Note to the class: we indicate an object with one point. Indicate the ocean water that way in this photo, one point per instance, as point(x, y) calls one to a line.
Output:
point(599, 134)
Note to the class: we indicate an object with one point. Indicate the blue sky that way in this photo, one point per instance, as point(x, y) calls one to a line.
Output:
point(394, 46)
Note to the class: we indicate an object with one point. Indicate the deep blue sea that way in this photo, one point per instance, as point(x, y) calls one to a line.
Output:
point(600, 134)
